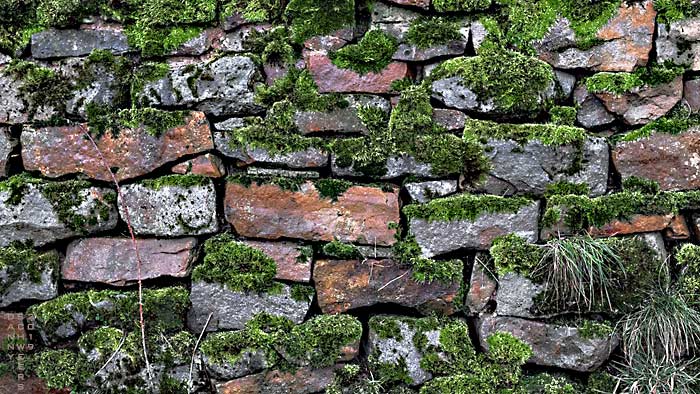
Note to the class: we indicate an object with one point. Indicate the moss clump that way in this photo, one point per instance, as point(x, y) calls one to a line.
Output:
point(102, 119)
point(548, 134)
point(238, 266)
point(518, 83)
point(544, 383)
point(620, 83)
point(61, 369)
point(273, 46)
point(371, 54)
point(42, 87)
point(464, 207)
point(590, 329)
point(183, 181)
point(332, 188)
point(159, 41)
point(461, 5)
point(342, 251)
point(641, 185)
point(512, 253)
point(425, 32)
point(563, 116)
point(676, 121)
point(17, 186)
point(443, 271)
point(254, 10)
point(504, 348)
point(311, 18)
point(103, 340)
point(386, 327)
point(566, 188)
point(675, 10)
point(302, 293)
point(62, 13)
point(298, 88)
point(284, 183)
point(22, 261)
point(688, 258)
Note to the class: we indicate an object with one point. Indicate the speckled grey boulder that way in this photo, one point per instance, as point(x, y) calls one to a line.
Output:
point(102, 90)
point(423, 192)
point(171, 210)
point(7, 144)
point(232, 309)
point(308, 158)
point(396, 166)
point(249, 362)
point(515, 295)
point(677, 42)
point(25, 289)
point(591, 111)
point(35, 218)
point(54, 43)
point(340, 120)
point(438, 237)
point(12, 106)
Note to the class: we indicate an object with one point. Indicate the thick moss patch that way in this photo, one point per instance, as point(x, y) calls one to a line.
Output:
point(675, 10)
point(318, 17)
point(154, 121)
point(461, 5)
point(425, 32)
point(464, 207)
point(371, 54)
point(548, 134)
point(620, 83)
point(253, 10)
point(676, 121)
point(22, 261)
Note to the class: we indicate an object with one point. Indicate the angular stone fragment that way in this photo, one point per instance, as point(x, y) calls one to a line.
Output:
point(360, 214)
point(482, 285)
point(206, 165)
point(41, 219)
point(672, 160)
point(200, 44)
point(232, 309)
point(646, 103)
point(438, 237)
point(411, 53)
point(591, 111)
point(12, 107)
point(113, 260)
point(679, 42)
point(643, 224)
point(7, 144)
point(247, 362)
point(170, 210)
point(450, 119)
point(293, 260)
point(516, 295)
point(396, 166)
point(627, 42)
point(58, 151)
point(53, 43)
point(331, 78)
point(302, 381)
point(330, 42)
point(423, 192)
point(343, 285)
point(26, 288)
point(104, 88)
point(691, 94)
point(221, 87)
point(552, 345)
point(341, 120)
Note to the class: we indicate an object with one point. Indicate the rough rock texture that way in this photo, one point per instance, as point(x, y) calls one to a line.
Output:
point(232, 309)
point(207, 165)
point(643, 224)
point(340, 120)
point(221, 87)
point(36, 219)
point(672, 160)
point(627, 42)
point(360, 214)
point(7, 144)
point(691, 94)
point(646, 103)
point(529, 168)
point(439, 237)
point(555, 346)
point(292, 263)
point(11, 326)
point(250, 362)
point(422, 192)
point(415, 3)
point(482, 285)
point(103, 89)
point(450, 119)
point(113, 260)
point(25, 289)
point(12, 107)
point(170, 210)
point(396, 166)
point(656, 241)
point(677, 42)
point(58, 151)
point(591, 111)
point(515, 295)
point(342, 285)
point(302, 381)
point(54, 43)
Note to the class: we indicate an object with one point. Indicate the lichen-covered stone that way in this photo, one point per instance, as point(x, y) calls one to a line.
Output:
point(55, 43)
point(425, 191)
point(396, 166)
point(113, 260)
point(26, 288)
point(330, 78)
point(58, 151)
point(221, 87)
point(340, 120)
point(208, 165)
point(691, 94)
point(293, 260)
point(170, 210)
point(552, 345)
point(343, 285)
point(482, 285)
point(360, 214)
point(646, 103)
point(677, 42)
point(12, 107)
point(232, 309)
point(7, 144)
point(516, 295)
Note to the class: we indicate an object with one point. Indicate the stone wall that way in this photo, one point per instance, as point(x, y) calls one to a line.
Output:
point(348, 196)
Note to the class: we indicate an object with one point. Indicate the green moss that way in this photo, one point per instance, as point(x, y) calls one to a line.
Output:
point(102, 119)
point(563, 116)
point(590, 329)
point(548, 134)
point(512, 253)
point(17, 186)
point(688, 259)
point(641, 185)
point(620, 83)
point(392, 373)
point(174, 12)
point(41, 87)
point(504, 348)
point(22, 261)
point(62, 13)
point(311, 18)
point(513, 80)
point(386, 327)
point(461, 5)
point(238, 266)
point(425, 32)
point(66, 198)
point(464, 207)
point(429, 270)
point(61, 369)
point(184, 181)
point(299, 88)
point(342, 251)
point(676, 121)
point(544, 383)
point(371, 54)
point(284, 183)
point(254, 10)
point(159, 41)
point(105, 340)
point(675, 10)
point(273, 46)
point(17, 24)
point(302, 293)
point(332, 188)
point(565, 188)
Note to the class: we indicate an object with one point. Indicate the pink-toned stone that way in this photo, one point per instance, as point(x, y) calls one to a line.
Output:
point(342, 285)
point(425, 4)
point(58, 151)
point(207, 165)
point(482, 286)
point(451, 119)
point(361, 214)
point(113, 260)
point(331, 42)
point(292, 265)
point(640, 224)
point(301, 381)
point(11, 328)
point(645, 103)
point(330, 78)
point(691, 94)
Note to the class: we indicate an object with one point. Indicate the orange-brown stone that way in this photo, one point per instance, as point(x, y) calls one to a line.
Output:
point(302, 381)
point(207, 165)
point(292, 264)
point(640, 224)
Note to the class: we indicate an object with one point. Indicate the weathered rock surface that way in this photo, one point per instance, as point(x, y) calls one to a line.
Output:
point(341, 120)
point(7, 144)
point(396, 166)
point(656, 241)
point(11, 326)
point(58, 151)
point(678, 42)
point(482, 285)
point(415, 3)
point(646, 103)
point(672, 160)
point(170, 210)
point(330, 78)
point(422, 192)
point(552, 345)
point(53, 43)
point(591, 111)
point(248, 362)
point(516, 295)
point(529, 168)
point(450, 119)
point(36, 218)
point(361, 214)
point(439, 237)
point(342, 285)
point(104, 88)
point(113, 260)
point(25, 289)
point(232, 309)
point(206, 165)
point(675, 226)
point(293, 260)
point(691, 94)
point(302, 381)
point(12, 107)
point(627, 42)
point(221, 87)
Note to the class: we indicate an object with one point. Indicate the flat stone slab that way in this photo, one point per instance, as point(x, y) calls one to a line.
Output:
point(54, 43)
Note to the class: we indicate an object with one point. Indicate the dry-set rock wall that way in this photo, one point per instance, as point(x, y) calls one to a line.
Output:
point(349, 196)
